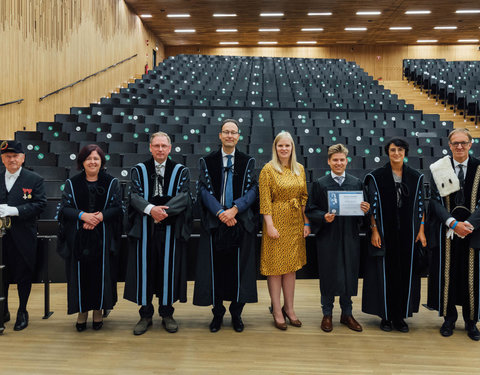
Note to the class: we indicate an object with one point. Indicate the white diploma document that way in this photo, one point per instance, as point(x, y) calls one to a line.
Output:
point(345, 203)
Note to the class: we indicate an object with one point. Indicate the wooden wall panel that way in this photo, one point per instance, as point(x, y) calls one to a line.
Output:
point(380, 61)
point(46, 45)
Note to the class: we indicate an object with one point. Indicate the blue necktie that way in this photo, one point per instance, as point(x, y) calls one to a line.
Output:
point(229, 184)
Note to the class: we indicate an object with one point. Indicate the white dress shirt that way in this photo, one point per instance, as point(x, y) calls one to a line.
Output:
point(10, 178)
point(457, 170)
point(162, 173)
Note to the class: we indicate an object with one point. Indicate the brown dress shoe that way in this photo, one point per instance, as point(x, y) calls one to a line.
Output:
point(327, 324)
point(280, 326)
point(351, 323)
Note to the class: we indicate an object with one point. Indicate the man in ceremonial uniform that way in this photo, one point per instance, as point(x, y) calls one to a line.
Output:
point(22, 199)
point(160, 216)
point(454, 237)
point(227, 192)
point(337, 239)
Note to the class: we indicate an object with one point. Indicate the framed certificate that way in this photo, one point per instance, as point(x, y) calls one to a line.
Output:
point(345, 203)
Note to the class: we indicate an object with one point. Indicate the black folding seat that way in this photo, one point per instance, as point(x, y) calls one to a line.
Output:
point(427, 161)
point(364, 124)
point(317, 160)
point(55, 136)
point(98, 127)
point(394, 116)
point(141, 111)
point(358, 141)
point(375, 161)
point(309, 140)
point(350, 132)
point(58, 147)
point(366, 150)
point(120, 111)
point(135, 137)
point(51, 172)
point(89, 118)
point(355, 162)
point(413, 162)
point(109, 137)
point(405, 124)
point(28, 136)
point(80, 110)
point(188, 138)
point(67, 160)
point(54, 189)
point(122, 147)
point(122, 173)
point(430, 141)
point(74, 127)
point(196, 129)
point(395, 132)
point(40, 159)
point(147, 128)
point(130, 160)
point(376, 116)
point(182, 149)
point(319, 172)
point(327, 133)
point(356, 115)
point(34, 145)
point(323, 115)
point(143, 148)
point(413, 116)
point(59, 117)
point(113, 160)
point(83, 136)
point(205, 148)
point(388, 106)
point(49, 127)
point(112, 119)
point(262, 133)
point(261, 160)
point(324, 123)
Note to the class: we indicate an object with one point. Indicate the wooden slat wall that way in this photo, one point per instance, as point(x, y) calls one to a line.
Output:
point(46, 45)
point(380, 61)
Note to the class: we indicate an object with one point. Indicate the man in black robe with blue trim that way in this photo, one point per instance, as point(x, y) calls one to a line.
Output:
point(227, 194)
point(160, 224)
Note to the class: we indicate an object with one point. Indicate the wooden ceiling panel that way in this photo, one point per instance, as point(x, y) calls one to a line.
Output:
point(248, 21)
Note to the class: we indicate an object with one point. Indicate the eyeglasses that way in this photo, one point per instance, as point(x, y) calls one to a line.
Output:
point(226, 132)
point(462, 144)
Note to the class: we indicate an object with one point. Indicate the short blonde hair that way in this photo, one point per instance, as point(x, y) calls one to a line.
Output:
point(337, 149)
point(293, 164)
point(160, 134)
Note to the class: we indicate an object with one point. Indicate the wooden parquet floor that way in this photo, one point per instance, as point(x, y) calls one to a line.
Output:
point(53, 346)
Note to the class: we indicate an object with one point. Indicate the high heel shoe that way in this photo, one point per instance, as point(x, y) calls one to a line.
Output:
point(81, 326)
point(280, 326)
point(295, 323)
point(97, 325)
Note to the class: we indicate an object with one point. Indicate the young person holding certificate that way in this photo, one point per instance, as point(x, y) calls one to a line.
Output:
point(337, 237)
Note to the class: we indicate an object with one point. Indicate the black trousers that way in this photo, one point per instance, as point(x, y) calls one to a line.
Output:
point(17, 271)
point(148, 310)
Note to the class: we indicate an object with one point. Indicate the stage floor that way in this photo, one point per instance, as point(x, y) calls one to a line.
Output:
point(53, 346)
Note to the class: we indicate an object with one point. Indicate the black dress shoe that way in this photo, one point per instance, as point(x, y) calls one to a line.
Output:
point(22, 321)
point(472, 331)
point(216, 323)
point(237, 323)
point(6, 317)
point(386, 325)
point(446, 329)
point(97, 325)
point(400, 325)
point(81, 326)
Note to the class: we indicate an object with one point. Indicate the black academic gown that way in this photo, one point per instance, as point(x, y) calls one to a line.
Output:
point(28, 195)
point(454, 267)
point(243, 284)
point(92, 274)
point(163, 273)
point(391, 285)
point(338, 242)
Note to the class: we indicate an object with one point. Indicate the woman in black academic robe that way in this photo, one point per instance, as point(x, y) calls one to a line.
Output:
point(90, 219)
point(391, 285)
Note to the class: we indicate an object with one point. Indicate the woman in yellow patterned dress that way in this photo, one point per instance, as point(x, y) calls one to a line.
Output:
point(283, 195)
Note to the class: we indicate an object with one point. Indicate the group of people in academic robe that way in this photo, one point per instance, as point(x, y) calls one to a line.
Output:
point(229, 201)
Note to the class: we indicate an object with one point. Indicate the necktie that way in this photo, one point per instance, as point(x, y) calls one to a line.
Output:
point(158, 181)
point(229, 184)
point(461, 175)
point(460, 196)
point(339, 180)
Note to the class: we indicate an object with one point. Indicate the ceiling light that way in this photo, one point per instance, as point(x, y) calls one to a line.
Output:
point(369, 13)
point(418, 12)
point(224, 15)
point(226, 30)
point(185, 30)
point(468, 40)
point(307, 42)
point(445, 27)
point(225, 43)
point(271, 14)
point(320, 14)
point(145, 15)
point(401, 28)
point(185, 15)
point(268, 30)
point(355, 29)
point(313, 29)
point(427, 41)
point(468, 11)
point(267, 42)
